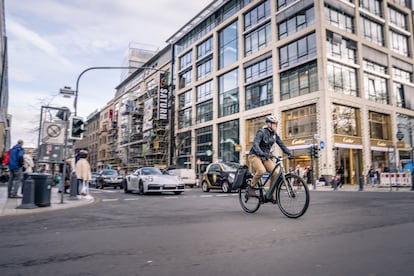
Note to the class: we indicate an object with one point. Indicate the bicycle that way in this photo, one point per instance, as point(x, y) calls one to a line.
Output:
point(292, 193)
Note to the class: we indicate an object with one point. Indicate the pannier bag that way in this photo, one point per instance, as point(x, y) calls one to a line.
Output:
point(242, 174)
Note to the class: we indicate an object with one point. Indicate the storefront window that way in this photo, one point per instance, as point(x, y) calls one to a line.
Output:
point(300, 122)
point(228, 139)
point(379, 125)
point(345, 120)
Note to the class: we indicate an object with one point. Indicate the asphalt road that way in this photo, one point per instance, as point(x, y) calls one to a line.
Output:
point(343, 233)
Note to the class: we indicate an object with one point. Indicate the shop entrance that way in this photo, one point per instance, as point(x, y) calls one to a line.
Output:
point(348, 163)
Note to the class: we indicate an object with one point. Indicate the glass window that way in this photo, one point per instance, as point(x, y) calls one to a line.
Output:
point(228, 93)
point(205, 48)
point(184, 118)
point(376, 88)
point(341, 48)
point(372, 31)
point(298, 21)
point(228, 45)
point(397, 18)
point(257, 15)
point(204, 139)
point(299, 81)
point(284, 3)
point(345, 120)
point(300, 122)
point(205, 91)
point(257, 40)
point(185, 78)
point(401, 75)
point(373, 66)
point(259, 70)
point(259, 94)
point(379, 126)
point(373, 6)
point(298, 51)
point(186, 60)
point(204, 68)
point(399, 43)
point(228, 138)
point(204, 112)
point(342, 79)
point(185, 99)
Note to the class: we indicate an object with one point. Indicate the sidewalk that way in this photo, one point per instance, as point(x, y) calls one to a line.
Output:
point(355, 188)
point(8, 205)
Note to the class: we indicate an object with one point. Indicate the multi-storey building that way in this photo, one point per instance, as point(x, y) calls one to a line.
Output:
point(338, 74)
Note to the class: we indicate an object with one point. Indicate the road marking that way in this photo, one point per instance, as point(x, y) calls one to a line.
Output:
point(223, 195)
point(110, 199)
point(206, 196)
point(130, 199)
point(170, 196)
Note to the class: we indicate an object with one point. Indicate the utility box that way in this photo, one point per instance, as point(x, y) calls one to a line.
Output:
point(42, 188)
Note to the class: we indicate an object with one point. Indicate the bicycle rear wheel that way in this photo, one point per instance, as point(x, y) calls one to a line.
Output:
point(293, 196)
point(249, 204)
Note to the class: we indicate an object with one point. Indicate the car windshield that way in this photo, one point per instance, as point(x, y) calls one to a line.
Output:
point(151, 171)
point(230, 166)
point(109, 172)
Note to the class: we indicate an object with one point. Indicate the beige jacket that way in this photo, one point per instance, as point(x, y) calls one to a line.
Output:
point(83, 169)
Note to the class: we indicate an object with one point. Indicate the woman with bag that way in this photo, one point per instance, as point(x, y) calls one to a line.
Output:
point(83, 172)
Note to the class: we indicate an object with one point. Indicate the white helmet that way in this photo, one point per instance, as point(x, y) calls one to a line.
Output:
point(271, 119)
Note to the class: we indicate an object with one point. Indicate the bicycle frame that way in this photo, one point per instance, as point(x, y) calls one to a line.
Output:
point(278, 180)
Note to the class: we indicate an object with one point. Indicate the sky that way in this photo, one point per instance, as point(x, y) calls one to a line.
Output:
point(50, 42)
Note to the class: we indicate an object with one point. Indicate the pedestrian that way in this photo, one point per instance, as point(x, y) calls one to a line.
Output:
point(65, 184)
point(27, 166)
point(309, 175)
point(16, 162)
point(83, 172)
point(340, 174)
point(372, 176)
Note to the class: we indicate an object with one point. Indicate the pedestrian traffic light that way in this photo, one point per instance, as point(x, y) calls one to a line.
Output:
point(76, 128)
point(310, 151)
point(315, 151)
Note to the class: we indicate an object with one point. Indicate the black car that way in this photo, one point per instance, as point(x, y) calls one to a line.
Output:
point(219, 175)
point(109, 178)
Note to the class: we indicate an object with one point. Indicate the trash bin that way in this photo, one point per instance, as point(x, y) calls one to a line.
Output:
point(42, 188)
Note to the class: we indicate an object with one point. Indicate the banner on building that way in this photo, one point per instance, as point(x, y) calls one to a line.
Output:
point(163, 93)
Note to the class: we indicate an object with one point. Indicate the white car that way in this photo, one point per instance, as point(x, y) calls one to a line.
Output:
point(187, 176)
point(152, 180)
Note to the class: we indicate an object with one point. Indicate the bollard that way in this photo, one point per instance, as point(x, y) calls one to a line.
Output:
point(73, 187)
point(361, 184)
point(28, 195)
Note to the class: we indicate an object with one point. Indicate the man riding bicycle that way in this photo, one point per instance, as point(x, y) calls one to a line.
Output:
point(260, 156)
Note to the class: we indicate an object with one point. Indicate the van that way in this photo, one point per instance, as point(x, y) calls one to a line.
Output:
point(187, 176)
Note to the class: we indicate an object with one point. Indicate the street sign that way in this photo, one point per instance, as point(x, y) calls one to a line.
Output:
point(321, 145)
point(54, 133)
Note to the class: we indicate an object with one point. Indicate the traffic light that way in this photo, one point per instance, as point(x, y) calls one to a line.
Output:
point(315, 151)
point(310, 151)
point(76, 128)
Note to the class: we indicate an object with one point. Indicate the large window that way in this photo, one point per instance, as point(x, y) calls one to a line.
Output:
point(228, 139)
point(184, 118)
point(204, 112)
point(228, 45)
point(300, 122)
point(297, 22)
point(205, 48)
point(185, 78)
point(257, 39)
point(339, 19)
point(185, 99)
point(397, 18)
point(345, 120)
point(340, 48)
point(372, 31)
point(342, 79)
point(258, 70)
point(399, 43)
point(205, 91)
point(298, 51)
point(204, 68)
point(259, 94)
point(204, 146)
point(379, 125)
point(299, 81)
point(376, 88)
point(229, 93)
point(373, 6)
point(257, 15)
point(186, 60)
point(284, 3)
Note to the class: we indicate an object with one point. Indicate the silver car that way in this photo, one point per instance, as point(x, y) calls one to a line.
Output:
point(152, 180)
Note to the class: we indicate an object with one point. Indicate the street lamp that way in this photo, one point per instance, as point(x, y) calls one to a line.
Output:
point(400, 136)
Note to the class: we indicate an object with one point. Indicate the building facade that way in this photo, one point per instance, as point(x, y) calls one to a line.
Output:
point(338, 74)
point(5, 118)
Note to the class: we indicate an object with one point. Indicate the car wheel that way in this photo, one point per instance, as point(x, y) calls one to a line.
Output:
point(204, 187)
point(141, 188)
point(225, 187)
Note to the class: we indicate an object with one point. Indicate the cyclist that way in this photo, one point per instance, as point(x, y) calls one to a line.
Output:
point(259, 155)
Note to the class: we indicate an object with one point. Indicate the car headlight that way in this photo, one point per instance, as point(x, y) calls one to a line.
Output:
point(149, 178)
point(231, 177)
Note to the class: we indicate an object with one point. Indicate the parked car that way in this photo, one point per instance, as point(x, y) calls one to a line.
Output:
point(187, 176)
point(219, 175)
point(109, 178)
point(151, 179)
point(93, 180)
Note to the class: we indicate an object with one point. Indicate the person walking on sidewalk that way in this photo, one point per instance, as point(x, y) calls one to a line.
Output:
point(27, 166)
point(83, 172)
point(260, 156)
point(16, 161)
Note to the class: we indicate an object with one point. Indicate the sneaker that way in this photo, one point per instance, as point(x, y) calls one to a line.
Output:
point(252, 191)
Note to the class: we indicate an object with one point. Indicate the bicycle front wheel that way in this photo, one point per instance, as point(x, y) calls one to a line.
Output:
point(293, 196)
point(249, 204)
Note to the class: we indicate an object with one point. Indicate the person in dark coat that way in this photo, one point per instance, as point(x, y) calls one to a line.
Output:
point(16, 162)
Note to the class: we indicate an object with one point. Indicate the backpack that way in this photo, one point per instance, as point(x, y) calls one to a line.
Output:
point(242, 174)
point(6, 158)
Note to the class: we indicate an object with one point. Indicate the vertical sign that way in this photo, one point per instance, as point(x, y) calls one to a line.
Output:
point(163, 97)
